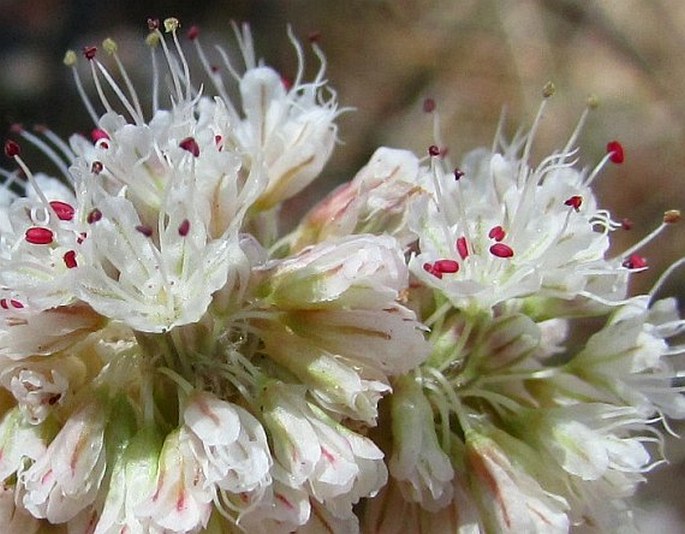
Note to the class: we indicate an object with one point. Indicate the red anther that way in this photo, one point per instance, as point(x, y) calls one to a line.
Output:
point(184, 228)
point(575, 201)
point(89, 52)
point(96, 167)
point(190, 145)
point(37, 235)
point(458, 174)
point(193, 32)
point(97, 133)
point(152, 24)
point(12, 148)
point(616, 150)
point(314, 37)
point(429, 105)
point(16, 304)
point(287, 83)
point(433, 150)
point(626, 224)
point(501, 250)
point(429, 268)
point(4, 305)
point(446, 266)
point(70, 259)
point(144, 229)
point(94, 216)
point(635, 261)
point(64, 211)
point(497, 233)
point(463, 247)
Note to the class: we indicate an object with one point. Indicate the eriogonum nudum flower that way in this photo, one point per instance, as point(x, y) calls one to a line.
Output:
point(408, 358)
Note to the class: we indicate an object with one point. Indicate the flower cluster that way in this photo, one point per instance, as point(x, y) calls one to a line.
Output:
point(407, 358)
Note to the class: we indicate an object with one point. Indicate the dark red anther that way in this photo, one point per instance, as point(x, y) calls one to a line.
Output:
point(575, 201)
point(38, 235)
point(70, 259)
point(16, 304)
point(81, 237)
point(433, 150)
point(626, 224)
point(497, 233)
point(635, 261)
point(190, 145)
point(463, 247)
point(12, 148)
point(287, 83)
point(214, 68)
point(616, 150)
point(97, 133)
point(184, 228)
point(193, 32)
point(4, 305)
point(446, 266)
point(429, 105)
point(152, 24)
point(89, 52)
point(144, 229)
point(458, 174)
point(96, 167)
point(94, 216)
point(429, 268)
point(501, 250)
point(314, 37)
point(64, 211)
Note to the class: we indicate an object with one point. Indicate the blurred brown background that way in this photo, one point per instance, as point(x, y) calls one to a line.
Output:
point(386, 56)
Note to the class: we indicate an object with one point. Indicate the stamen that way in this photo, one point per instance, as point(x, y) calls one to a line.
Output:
point(64, 211)
point(184, 228)
point(70, 61)
point(670, 217)
point(94, 216)
point(144, 229)
point(89, 52)
point(462, 247)
point(446, 266)
point(189, 144)
point(429, 105)
point(615, 151)
point(171, 25)
point(635, 261)
point(575, 202)
point(43, 147)
point(110, 47)
point(497, 233)
point(96, 167)
point(12, 149)
point(70, 259)
point(39, 236)
point(501, 250)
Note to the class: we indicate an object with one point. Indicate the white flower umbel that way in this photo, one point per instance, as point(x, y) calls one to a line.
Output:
point(499, 228)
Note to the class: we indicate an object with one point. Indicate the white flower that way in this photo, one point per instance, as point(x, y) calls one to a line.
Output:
point(502, 230)
point(422, 468)
point(19, 441)
point(67, 477)
point(510, 500)
point(630, 357)
point(181, 501)
point(335, 465)
point(229, 443)
point(375, 202)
